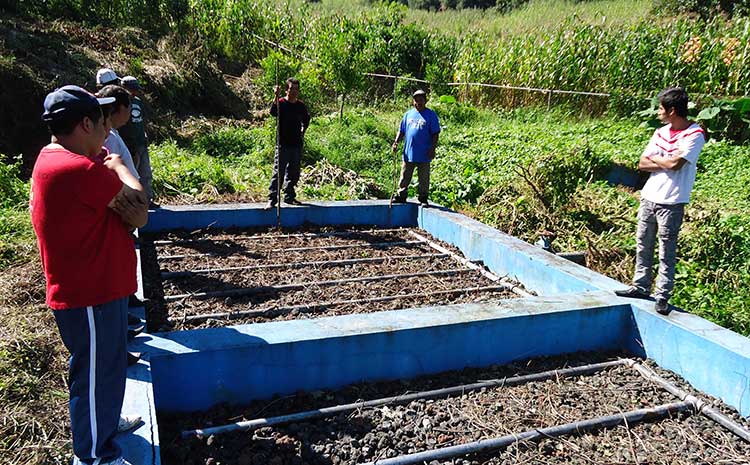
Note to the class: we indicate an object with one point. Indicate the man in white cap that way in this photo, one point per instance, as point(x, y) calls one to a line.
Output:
point(82, 209)
point(105, 77)
point(419, 129)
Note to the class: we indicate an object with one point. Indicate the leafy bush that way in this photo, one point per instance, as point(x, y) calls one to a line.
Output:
point(178, 171)
point(449, 109)
point(14, 193)
point(704, 8)
point(232, 142)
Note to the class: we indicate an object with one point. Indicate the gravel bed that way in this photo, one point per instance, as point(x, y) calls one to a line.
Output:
point(389, 431)
point(235, 248)
point(262, 277)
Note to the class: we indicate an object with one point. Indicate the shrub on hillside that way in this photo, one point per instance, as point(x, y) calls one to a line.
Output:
point(14, 193)
point(704, 8)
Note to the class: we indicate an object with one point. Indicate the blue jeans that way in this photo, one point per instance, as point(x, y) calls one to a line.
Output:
point(96, 338)
point(665, 221)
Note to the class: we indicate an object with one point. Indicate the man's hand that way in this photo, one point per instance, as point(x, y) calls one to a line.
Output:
point(276, 90)
point(131, 205)
point(113, 160)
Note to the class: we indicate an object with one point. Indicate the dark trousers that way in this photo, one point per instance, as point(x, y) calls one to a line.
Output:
point(423, 176)
point(96, 338)
point(287, 162)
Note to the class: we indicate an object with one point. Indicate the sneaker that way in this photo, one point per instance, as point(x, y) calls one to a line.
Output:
point(128, 422)
point(134, 301)
point(133, 332)
point(153, 205)
point(424, 203)
point(399, 200)
point(117, 461)
point(662, 306)
point(133, 358)
point(133, 320)
point(270, 205)
point(633, 293)
point(292, 202)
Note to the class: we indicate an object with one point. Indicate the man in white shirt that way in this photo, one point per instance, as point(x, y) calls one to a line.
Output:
point(119, 114)
point(671, 158)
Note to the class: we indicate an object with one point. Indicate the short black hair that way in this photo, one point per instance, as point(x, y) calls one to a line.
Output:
point(65, 125)
point(674, 97)
point(291, 81)
point(121, 95)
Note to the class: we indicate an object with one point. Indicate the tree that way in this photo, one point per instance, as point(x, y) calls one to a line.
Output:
point(340, 57)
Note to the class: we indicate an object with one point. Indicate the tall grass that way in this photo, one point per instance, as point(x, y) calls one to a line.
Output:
point(535, 16)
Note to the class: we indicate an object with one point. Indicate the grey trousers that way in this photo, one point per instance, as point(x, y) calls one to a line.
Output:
point(663, 221)
point(143, 166)
point(423, 177)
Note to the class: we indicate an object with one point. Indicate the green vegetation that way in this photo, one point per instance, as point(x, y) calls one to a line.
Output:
point(16, 235)
point(523, 171)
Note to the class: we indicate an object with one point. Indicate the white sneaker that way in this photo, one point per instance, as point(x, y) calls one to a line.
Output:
point(118, 461)
point(126, 423)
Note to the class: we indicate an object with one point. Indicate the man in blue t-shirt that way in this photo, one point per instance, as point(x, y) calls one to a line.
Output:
point(419, 129)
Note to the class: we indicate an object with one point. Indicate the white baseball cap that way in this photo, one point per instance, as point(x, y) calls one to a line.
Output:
point(106, 76)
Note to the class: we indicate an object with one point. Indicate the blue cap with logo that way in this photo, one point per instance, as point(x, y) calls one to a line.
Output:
point(71, 101)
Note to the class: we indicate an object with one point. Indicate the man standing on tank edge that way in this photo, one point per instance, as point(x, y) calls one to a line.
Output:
point(82, 210)
point(293, 120)
point(671, 158)
point(419, 129)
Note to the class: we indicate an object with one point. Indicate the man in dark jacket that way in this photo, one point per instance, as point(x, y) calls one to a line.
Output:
point(293, 122)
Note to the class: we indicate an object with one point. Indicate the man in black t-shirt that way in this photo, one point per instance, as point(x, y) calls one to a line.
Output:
point(293, 122)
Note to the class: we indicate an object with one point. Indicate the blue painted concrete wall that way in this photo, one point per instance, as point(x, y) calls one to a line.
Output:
point(712, 359)
point(364, 212)
point(196, 369)
point(538, 270)
point(576, 311)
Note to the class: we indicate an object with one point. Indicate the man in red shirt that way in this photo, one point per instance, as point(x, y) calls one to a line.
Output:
point(83, 209)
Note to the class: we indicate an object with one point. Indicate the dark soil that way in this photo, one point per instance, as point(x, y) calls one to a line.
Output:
point(183, 251)
point(389, 431)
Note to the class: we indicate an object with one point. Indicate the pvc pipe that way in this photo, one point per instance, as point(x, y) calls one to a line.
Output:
point(326, 412)
point(288, 287)
point(278, 236)
point(289, 309)
point(486, 445)
point(348, 261)
point(468, 263)
point(299, 249)
point(700, 405)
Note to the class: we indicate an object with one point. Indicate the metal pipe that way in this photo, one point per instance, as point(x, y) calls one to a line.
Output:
point(700, 405)
point(300, 249)
point(278, 236)
point(320, 263)
point(403, 399)
point(498, 443)
point(284, 310)
point(287, 287)
point(466, 262)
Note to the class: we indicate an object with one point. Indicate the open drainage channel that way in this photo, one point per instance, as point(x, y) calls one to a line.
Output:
point(615, 411)
point(214, 279)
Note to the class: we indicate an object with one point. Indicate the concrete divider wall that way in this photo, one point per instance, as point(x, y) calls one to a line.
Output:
point(505, 255)
point(197, 369)
point(712, 359)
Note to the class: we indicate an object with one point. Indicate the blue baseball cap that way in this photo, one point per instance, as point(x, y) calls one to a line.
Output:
point(70, 101)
